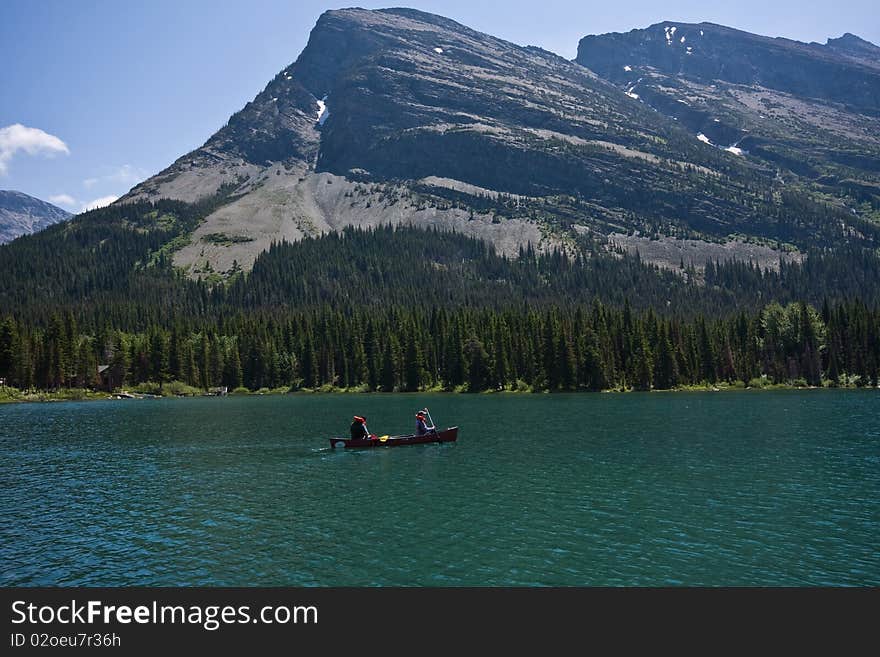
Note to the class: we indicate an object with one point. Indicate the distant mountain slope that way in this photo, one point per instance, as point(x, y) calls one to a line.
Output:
point(809, 111)
point(21, 214)
point(398, 116)
point(849, 45)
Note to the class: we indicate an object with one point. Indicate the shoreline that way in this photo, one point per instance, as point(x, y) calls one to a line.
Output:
point(15, 396)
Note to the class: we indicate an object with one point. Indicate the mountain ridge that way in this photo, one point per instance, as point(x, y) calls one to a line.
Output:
point(401, 116)
point(22, 214)
point(635, 231)
point(810, 112)
point(678, 47)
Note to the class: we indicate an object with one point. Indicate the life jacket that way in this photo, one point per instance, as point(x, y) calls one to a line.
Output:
point(358, 429)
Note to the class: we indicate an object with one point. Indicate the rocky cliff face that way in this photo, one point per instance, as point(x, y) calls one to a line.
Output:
point(807, 110)
point(404, 117)
point(856, 48)
point(21, 214)
point(712, 52)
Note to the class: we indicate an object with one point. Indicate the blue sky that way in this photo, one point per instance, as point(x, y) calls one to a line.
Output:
point(97, 95)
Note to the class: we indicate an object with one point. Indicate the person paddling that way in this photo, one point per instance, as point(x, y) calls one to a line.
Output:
point(359, 428)
point(421, 425)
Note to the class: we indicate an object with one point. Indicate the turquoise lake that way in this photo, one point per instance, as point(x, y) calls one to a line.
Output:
point(733, 488)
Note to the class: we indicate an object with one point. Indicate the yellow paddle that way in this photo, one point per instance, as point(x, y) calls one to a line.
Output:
point(382, 439)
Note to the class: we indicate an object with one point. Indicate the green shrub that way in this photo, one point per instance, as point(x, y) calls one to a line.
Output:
point(8, 394)
point(180, 388)
point(147, 388)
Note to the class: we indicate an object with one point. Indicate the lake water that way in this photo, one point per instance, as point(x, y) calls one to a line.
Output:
point(747, 488)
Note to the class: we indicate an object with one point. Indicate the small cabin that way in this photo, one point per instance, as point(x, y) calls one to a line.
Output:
point(105, 377)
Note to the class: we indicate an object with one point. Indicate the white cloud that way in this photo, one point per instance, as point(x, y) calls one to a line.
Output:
point(98, 203)
point(33, 141)
point(63, 199)
point(66, 200)
point(124, 175)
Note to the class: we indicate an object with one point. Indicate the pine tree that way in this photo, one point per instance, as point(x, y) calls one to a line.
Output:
point(216, 364)
point(234, 377)
point(158, 358)
point(414, 369)
point(8, 349)
point(478, 364)
point(454, 369)
point(57, 349)
point(203, 361)
point(500, 365)
point(190, 368)
point(811, 365)
point(666, 369)
point(643, 371)
point(706, 352)
point(175, 349)
point(86, 364)
point(119, 362)
point(566, 362)
point(308, 363)
point(389, 378)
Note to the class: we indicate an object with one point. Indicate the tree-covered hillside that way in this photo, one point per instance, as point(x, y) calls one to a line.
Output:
point(112, 266)
point(407, 309)
point(390, 348)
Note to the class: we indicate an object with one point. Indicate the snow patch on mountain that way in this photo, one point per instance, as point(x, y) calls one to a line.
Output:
point(323, 112)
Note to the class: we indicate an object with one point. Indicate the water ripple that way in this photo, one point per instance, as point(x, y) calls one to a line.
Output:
point(691, 489)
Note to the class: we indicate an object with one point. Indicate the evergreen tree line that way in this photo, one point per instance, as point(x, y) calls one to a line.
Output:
point(127, 281)
point(587, 347)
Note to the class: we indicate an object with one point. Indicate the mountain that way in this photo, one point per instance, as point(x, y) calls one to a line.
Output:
point(586, 229)
point(849, 45)
point(405, 117)
point(21, 214)
point(808, 112)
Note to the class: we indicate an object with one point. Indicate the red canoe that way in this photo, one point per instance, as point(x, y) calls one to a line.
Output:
point(446, 436)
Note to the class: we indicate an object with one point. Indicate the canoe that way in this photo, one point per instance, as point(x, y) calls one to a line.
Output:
point(446, 436)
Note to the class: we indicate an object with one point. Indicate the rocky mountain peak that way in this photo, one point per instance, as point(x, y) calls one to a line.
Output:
point(398, 116)
point(856, 48)
point(712, 52)
point(21, 214)
point(850, 41)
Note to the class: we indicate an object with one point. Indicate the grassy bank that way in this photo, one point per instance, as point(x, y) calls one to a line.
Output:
point(178, 389)
point(10, 395)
